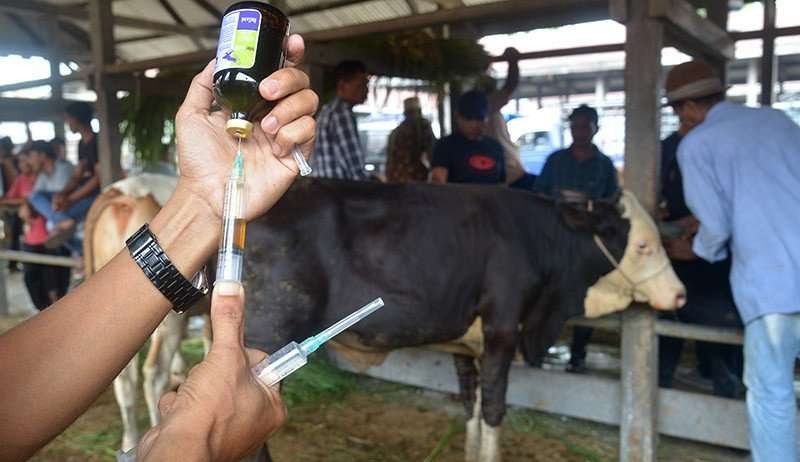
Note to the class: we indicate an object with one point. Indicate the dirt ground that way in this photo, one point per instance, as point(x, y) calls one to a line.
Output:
point(340, 417)
point(384, 422)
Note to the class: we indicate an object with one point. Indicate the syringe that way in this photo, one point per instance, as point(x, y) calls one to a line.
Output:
point(305, 169)
point(230, 258)
point(288, 359)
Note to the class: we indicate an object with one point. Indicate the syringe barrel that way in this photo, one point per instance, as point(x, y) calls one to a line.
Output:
point(280, 364)
point(230, 258)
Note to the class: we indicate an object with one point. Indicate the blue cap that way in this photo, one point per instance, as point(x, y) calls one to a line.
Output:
point(473, 105)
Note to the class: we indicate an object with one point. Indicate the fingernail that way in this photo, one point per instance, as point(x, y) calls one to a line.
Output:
point(271, 86)
point(228, 289)
point(271, 125)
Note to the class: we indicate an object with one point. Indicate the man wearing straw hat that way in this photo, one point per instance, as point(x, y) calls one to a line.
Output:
point(741, 177)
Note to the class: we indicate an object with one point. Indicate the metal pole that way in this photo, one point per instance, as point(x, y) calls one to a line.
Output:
point(643, 43)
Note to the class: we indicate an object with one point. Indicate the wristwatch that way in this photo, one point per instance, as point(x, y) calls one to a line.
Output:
point(148, 254)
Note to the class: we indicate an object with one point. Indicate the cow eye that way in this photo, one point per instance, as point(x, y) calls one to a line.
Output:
point(642, 248)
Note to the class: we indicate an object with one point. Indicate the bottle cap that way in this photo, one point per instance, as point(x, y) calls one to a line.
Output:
point(239, 128)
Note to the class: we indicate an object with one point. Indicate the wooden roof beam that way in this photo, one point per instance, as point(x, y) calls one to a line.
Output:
point(690, 32)
point(37, 8)
point(479, 13)
point(324, 6)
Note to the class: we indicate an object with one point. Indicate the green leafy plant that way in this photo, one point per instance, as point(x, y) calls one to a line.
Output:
point(148, 124)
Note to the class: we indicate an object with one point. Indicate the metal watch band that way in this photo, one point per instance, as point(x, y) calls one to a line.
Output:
point(148, 254)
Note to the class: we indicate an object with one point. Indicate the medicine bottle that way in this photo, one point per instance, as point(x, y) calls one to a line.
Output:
point(251, 47)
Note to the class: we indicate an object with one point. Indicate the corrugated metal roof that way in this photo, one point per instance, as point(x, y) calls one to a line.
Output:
point(196, 16)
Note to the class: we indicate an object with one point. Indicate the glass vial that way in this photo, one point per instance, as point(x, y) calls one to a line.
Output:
point(251, 47)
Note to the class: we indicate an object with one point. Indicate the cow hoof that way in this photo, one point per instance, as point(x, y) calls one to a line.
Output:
point(490, 443)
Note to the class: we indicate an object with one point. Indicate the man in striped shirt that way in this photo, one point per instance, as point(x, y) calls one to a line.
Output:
point(338, 152)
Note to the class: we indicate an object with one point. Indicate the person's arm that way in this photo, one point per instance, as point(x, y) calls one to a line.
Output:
point(74, 179)
point(544, 182)
point(14, 196)
point(440, 163)
point(502, 96)
point(12, 201)
point(612, 182)
point(706, 199)
point(57, 363)
point(439, 175)
point(89, 187)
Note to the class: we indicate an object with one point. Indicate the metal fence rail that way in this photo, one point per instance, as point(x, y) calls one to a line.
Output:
point(38, 258)
point(670, 329)
point(28, 257)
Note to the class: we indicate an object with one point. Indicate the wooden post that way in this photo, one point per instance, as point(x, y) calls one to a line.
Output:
point(643, 43)
point(768, 60)
point(718, 14)
point(109, 139)
point(53, 39)
point(57, 95)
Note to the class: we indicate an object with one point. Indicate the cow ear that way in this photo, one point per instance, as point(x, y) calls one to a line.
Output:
point(575, 214)
point(606, 218)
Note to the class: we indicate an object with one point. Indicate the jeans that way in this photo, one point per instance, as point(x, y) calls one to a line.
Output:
point(42, 201)
point(45, 283)
point(772, 342)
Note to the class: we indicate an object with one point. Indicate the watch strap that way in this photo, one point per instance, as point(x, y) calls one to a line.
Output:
point(156, 265)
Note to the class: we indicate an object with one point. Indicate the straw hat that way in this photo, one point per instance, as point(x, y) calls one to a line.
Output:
point(693, 79)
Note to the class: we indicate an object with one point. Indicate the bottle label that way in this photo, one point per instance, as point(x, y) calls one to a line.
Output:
point(238, 40)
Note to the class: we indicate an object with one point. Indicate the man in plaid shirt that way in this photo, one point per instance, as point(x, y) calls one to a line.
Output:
point(338, 152)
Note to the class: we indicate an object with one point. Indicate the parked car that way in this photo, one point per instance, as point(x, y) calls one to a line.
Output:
point(537, 137)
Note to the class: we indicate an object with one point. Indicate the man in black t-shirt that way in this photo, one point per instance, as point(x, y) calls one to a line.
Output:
point(65, 209)
point(710, 300)
point(468, 156)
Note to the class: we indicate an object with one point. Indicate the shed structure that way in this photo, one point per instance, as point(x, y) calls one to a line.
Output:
point(114, 41)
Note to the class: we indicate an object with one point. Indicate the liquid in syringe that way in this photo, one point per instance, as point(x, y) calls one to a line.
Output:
point(230, 259)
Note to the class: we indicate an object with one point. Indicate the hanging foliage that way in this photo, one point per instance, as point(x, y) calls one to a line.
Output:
point(418, 55)
point(148, 124)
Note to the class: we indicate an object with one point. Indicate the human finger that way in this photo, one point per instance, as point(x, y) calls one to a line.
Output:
point(283, 82)
point(298, 132)
point(166, 402)
point(254, 356)
point(199, 96)
point(302, 103)
point(295, 50)
point(227, 315)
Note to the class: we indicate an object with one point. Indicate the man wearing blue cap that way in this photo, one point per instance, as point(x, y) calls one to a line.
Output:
point(468, 156)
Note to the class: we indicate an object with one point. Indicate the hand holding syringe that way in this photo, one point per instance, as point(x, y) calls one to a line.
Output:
point(291, 357)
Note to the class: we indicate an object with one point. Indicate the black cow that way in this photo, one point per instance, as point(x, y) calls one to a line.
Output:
point(442, 256)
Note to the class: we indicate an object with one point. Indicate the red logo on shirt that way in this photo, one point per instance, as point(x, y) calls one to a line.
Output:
point(482, 162)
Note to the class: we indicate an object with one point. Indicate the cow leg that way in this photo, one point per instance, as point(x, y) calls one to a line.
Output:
point(467, 372)
point(164, 346)
point(499, 347)
point(126, 387)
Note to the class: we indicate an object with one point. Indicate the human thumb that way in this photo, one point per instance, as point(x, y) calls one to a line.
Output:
point(227, 315)
point(166, 402)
